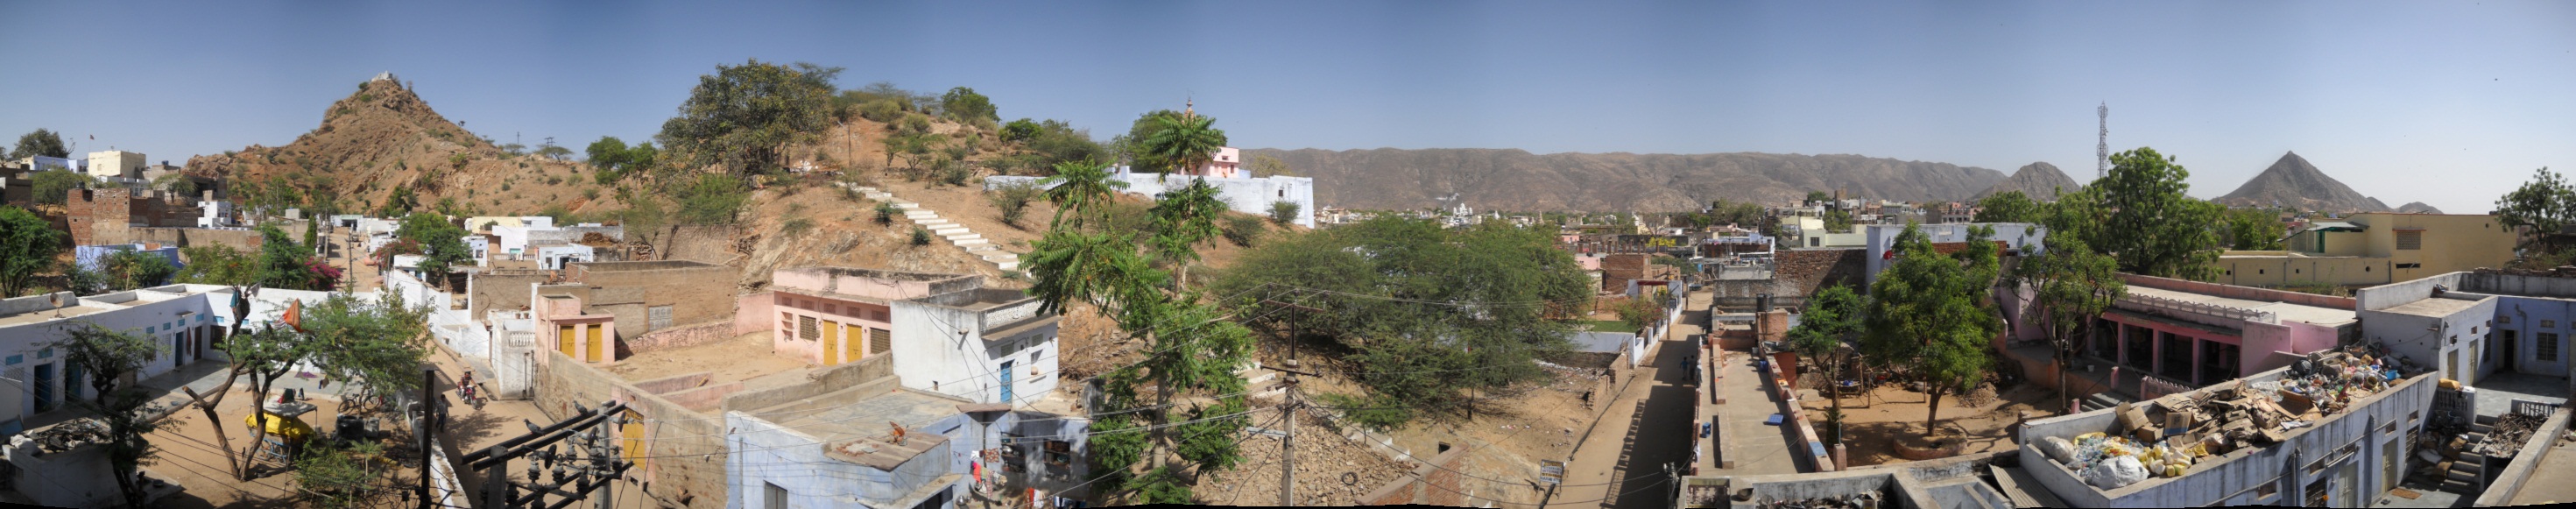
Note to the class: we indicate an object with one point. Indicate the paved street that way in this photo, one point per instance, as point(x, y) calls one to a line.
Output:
point(1621, 462)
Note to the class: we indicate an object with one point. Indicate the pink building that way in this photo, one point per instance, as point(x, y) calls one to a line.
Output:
point(1228, 163)
point(2181, 333)
point(584, 337)
point(835, 315)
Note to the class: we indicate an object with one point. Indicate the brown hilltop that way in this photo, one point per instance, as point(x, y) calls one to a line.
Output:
point(2040, 181)
point(384, 137)
point(2293, 182)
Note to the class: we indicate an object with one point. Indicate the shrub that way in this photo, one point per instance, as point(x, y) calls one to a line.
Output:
point(591, 193)
point(1243, 230)
point(1013, 200)
point(796, 227)
point(886, 212)
point(920, 237)
point(1284, 212)
point(712, 199)
point(456, 160)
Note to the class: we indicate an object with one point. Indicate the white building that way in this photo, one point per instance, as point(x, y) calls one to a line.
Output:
point(183, 320)
point(1249, 195)
point(986, 345)
point(116, 164)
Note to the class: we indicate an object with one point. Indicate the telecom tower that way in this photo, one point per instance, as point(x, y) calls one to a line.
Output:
point(2102, 146)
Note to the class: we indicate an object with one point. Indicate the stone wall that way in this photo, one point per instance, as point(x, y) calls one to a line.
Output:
point(101, 216)
point(1434, 483)
point(682, 336)
point(500, 290)
point(1803, 272)
point(697, 293)
point(705, 243)
point(687, 451)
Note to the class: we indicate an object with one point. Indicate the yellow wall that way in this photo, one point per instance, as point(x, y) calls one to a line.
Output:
point(2274, 269)
point(2451, 243)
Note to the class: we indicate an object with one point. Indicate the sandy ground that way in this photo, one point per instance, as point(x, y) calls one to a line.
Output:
point(745, 357)
point(185, 451)
point(1873, 421)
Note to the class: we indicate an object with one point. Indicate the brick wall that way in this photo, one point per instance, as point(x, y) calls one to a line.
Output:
point(696, 293)
point(241, 239)
point(1435, 483)
point(682, 336)
point(1618, 269)
point(705, 243)
point(1803, 272)
point(101, 216)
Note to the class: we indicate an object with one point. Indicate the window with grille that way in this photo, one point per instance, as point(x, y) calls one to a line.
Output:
point(657, 318)
point(2410, 240)
point(880, 341)
point(805, 328)
point(2548, 347)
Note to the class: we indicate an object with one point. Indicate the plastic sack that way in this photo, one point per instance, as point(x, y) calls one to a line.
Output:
point(2115, 472)
point(2058, 449)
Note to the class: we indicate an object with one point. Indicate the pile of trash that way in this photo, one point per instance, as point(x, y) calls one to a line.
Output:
point(2167, 438)
point(1862, 500)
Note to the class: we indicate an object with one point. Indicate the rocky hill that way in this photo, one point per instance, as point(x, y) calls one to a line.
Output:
point(2417, 208)
point(383, 138)
point(2292, 182)
point(1510, 179)
point(2040, 181)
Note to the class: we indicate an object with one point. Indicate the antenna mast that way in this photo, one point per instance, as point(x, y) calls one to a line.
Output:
point(2102, 146)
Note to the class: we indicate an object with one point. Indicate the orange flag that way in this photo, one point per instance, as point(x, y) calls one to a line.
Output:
point(294, 315)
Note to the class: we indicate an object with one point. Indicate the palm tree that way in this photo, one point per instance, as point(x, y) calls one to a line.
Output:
point(1188, 141)
point(1081, 187)
point(1101, 268)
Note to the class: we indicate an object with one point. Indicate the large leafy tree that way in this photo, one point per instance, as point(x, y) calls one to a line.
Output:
point(1927, 317)
point(1418, 304)
point(28, 245)
point(2255, 229)
point(217, 264)
point(2154, 227)
point(615, 160)
point(54, 187)
point(1083, 189)
point(965, 105)
point(40, 142)
point(442, 244)
point(1183, 218)
point(2007, 207)
point(1833, 319)
point(2069, 282)
point(108, 357)
point(128, 270)
point(2544, 204)
point(1186, 142)
point(743, 117)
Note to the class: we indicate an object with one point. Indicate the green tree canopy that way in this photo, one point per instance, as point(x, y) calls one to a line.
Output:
point(108, 357)
point(40, 142)
point(2071, 285)
point(1926, 314)
point(2544, 204)
point(54, 187)
point(1183, 143)
point(1417, 304)
point(743, 117)
point(2255, 229)
point(283, 263)
point(442, 244)
point(965, 105)
point(217, 264)
point(28, 245)
point(1082, 189)
point(1817, 196)
point(128, 270)
point(2154, 227)
point(2007, 207)
point(1183, 218)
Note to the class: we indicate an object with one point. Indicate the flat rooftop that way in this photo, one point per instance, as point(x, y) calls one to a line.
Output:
point(2287, 311)
point(2436, 307)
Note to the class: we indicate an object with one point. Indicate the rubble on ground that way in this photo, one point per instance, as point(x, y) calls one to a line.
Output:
point(2167, 438)
point(1862, 500)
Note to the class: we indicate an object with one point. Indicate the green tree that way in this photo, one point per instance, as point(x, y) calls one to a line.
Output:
point(1012, 200)
point(1284, 212)
point(128, 270)
point(712, 199)
point(1833, 319)
point(744, 117)
point(1184, 143)
point(2544, 205)
point(1417, 305)
point(375, 346)
point(2007, 207)
point(176, 183)
point(217, 264)
point(965, 105)
point(2154, 227)
point(1019, 130)
point(1056, 142)
point(1925, 315)
point(40, 142)
point(1818, 196)
point(1183, 218)
point(335, 476)
point(1838, 221)
point(28, 245)
point(108, 357)
point(2070, 286)
point(2255, 229)
point(442, 244)
point(282, 262)
point(1082, 189)
point(1264, 165)
point(53, 187)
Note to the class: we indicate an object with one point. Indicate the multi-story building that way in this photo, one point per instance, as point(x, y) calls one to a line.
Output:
point(116, 164)
point(2472, 325)
point(2372, 249)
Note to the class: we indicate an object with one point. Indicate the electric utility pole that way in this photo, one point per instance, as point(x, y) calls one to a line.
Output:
point(1288, 410)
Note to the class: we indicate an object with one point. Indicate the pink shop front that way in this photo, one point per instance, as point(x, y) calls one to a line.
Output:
point(2197, 354)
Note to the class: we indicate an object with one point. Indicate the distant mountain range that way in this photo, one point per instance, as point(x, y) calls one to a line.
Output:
point(2417, 208)
point(2293, 182)
point(1511, 179)
point(2040, 181)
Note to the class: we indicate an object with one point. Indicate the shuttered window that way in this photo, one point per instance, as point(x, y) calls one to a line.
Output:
point(880, 341)
point(2410, 240)
point(805, 328)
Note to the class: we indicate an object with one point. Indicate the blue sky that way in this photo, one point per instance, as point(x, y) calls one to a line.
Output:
point(2447, 103)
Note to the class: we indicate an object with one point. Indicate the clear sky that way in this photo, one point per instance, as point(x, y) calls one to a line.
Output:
point(2443, 102)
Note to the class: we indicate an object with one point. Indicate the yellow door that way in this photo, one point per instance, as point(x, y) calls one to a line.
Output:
point(851, 337)
point(563, 341)
point(598, 347)
point(633, 435)
point(831, 343)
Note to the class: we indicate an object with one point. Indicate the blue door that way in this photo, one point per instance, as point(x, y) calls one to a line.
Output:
point(1006, 382)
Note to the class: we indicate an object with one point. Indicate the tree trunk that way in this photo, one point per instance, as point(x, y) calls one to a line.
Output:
point(259, 429)
point(1932, 412)
point(125, 486)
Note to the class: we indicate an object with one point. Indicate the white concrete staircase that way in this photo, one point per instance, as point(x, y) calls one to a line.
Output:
point(973, 243)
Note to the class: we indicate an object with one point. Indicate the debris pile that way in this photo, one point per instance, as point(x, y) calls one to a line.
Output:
point(2167, 438)
point(2508, 436)
point(1862, 500)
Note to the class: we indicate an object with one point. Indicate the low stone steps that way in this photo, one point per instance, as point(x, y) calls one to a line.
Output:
point(956, 234)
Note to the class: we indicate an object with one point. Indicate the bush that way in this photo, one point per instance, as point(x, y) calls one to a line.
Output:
point(882, 110)
point(1284, 212)
point(1243, 230)
point(712, 199)
point(796, 227)
point(1013, 200)
point(53, 186)
point(1379, 413)
point(457, 160)
point(920, 237)
point(886, 212)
